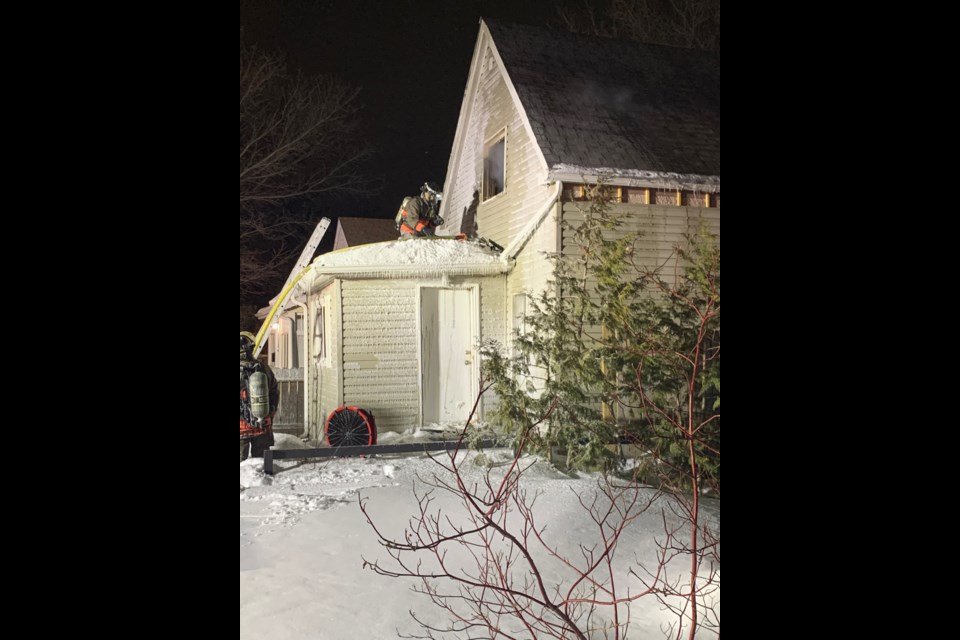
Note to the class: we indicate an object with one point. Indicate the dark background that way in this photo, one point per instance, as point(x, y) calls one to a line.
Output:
point(409, 57)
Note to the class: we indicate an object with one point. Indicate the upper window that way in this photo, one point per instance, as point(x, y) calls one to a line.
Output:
point(494, 163)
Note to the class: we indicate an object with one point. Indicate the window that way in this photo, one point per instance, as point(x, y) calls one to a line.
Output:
point(520, 320)
point(320, 335)
point(296, 345)
point(494, 163)
point(520, 314)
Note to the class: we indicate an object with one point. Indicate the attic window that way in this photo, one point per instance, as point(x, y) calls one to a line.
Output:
point(494, 163)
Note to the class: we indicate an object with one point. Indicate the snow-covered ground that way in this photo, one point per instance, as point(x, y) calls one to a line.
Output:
point(303, 537)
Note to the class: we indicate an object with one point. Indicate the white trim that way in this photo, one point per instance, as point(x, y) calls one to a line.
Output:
point(484, 39)
point(466, 109)
point(511, 250)
point(338, 332)
point(405, 271)
point(417, 315)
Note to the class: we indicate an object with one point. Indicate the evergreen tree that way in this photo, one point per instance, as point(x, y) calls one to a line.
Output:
point(618, 351)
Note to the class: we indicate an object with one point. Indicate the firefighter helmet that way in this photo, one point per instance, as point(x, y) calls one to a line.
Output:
point(247, 341)
point(430, 191)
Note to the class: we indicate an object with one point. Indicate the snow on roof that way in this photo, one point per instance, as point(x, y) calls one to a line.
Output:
point(442, 255)
point(575, 173)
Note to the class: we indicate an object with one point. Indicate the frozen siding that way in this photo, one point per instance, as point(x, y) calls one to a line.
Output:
point(467, 174)
point(493, 325)
point(533, 269)
point(379, 356)
point(663, 228)
point(325, 380)
point(492, 111)
point(502, 217)
point(329, 371)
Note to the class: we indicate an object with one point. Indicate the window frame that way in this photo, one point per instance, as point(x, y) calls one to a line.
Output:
point(500, 138)
point(320, 335)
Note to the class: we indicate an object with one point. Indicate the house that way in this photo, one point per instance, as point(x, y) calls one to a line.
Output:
point(284, 350)
point(393, 327)
point(355, 231)
point(546, 112)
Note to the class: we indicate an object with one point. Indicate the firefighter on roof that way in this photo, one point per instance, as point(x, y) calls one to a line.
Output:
point(419, 215)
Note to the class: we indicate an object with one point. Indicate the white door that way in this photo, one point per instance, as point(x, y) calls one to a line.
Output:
point(447, 341)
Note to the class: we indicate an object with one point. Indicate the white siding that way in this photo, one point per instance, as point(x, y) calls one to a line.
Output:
point(372, 347)
point(379, 359)
point(326, 373)
point(533, 269)
point(493, 325)
point(489, 108)
point(663, 228)
point(493, 110)
point(502, 218)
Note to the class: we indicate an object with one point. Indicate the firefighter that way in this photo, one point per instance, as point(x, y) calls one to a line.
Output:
point(257, 435)
point(419, 215)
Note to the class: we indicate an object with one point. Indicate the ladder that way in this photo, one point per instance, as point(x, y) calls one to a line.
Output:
point(296, 273)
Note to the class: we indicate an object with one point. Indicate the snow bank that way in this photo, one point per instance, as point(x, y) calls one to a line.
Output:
point(287, 441)
point(304, 541)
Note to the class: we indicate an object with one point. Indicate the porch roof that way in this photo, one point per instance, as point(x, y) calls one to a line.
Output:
point(412, 258)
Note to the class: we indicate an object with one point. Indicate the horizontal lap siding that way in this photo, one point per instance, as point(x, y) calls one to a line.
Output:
point(492, 111)
point(662, 229)
point(468, 170)
point(325, 379)
point(504, 217)
point(379, 354)
point(493, 325)
point(533, 269)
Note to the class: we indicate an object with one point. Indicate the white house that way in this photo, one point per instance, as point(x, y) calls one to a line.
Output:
point(393, 327)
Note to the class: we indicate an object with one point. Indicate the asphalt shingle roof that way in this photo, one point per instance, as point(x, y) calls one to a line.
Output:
point(608, 104)
point(355, 231)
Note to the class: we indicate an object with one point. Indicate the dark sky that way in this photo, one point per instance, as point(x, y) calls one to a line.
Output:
point(409, 57)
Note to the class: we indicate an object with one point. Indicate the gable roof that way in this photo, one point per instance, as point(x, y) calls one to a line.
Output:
point(355, 231)
point(596, 104)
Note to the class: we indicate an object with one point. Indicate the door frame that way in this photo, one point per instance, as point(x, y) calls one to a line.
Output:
point(474, 289)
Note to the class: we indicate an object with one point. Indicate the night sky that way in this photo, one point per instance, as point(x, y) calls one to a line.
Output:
point(409, 57)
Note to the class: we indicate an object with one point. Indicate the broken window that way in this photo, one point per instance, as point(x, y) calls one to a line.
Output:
point(494, 163)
